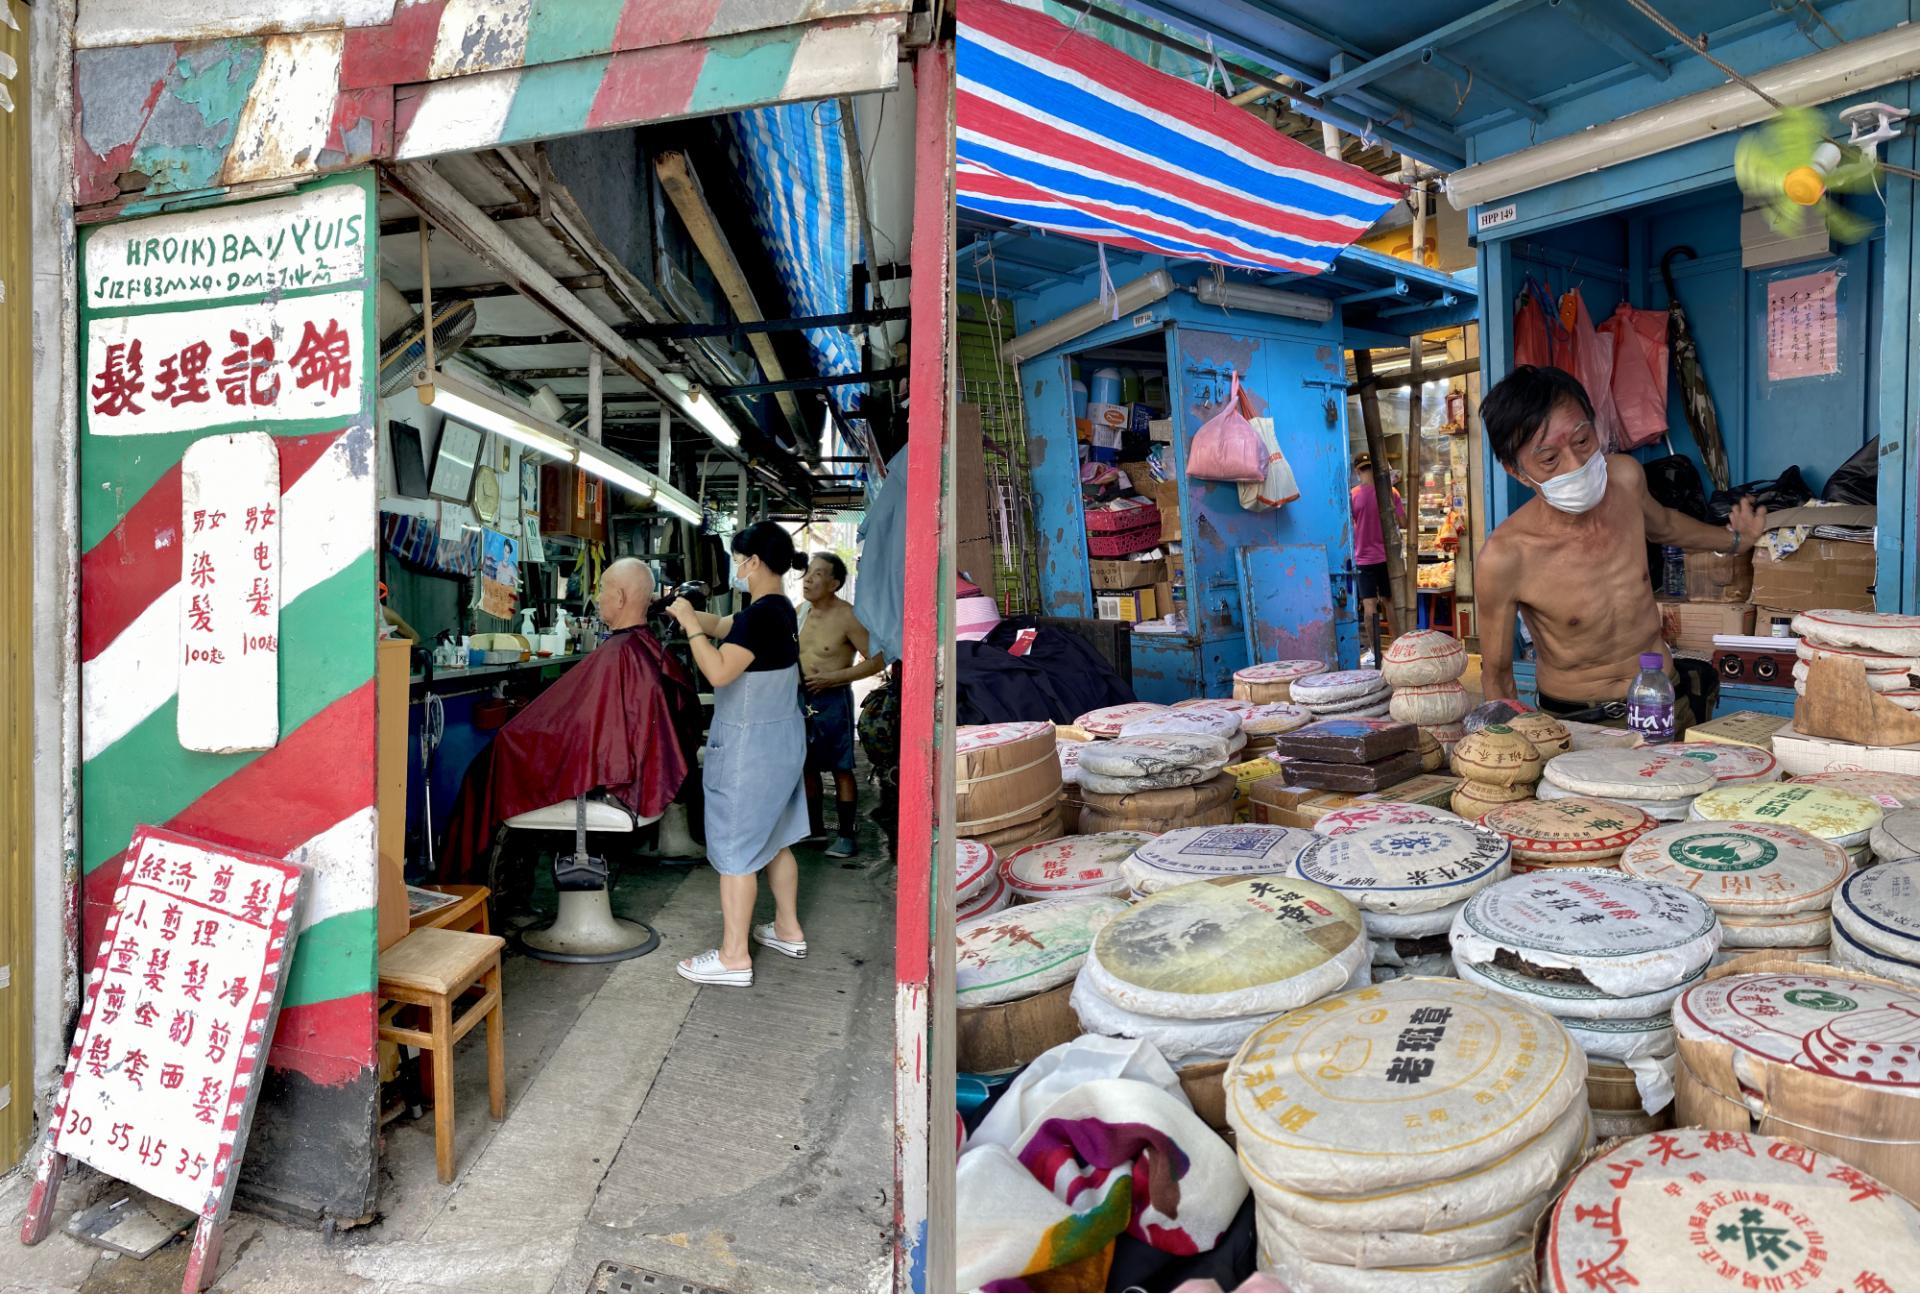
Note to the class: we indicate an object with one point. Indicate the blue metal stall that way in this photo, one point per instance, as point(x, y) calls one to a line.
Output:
point(1257, 586)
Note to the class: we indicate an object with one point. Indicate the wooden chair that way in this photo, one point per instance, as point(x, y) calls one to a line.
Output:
point(431, 969)
point(469, 913)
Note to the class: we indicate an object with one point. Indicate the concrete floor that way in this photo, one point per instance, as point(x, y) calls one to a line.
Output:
point(736, 1138)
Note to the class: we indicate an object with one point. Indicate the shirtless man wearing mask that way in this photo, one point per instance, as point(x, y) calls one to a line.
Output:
point(1573, 559)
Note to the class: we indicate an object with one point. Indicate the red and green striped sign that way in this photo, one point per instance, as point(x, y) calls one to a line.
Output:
point(310, 798)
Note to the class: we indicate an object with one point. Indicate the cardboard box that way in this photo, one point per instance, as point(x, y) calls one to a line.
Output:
point(1434, 790)
point(1690, 626)
point(972, 519)
point(1163, 597)
point(1161, 430)
point(1822, 573)
point(392, 658)
point(1133, 605)
point(1713, 578)
point(1799, 754)
point(1741, 728)
point(1109, 574)
point(1271, 802)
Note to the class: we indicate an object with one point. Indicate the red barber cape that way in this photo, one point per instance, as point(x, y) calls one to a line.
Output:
point(623, 719)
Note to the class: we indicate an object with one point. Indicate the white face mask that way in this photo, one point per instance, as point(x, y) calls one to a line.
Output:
point(1576, 491)
point(740, 581)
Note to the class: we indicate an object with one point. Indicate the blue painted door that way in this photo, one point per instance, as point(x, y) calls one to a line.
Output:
point(1289, 603)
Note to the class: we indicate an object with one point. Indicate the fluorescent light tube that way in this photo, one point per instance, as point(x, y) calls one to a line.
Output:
point(706, 414)
point(481, 408)
point(1259, 300)
point(1127, 298)
point(643, 483)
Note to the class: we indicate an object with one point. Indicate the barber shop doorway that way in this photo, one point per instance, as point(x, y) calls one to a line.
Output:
point(562, 381)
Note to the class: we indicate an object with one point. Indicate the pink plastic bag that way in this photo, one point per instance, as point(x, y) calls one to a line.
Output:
point(1531, 344)
point(1593, 358)
point(1227, 448)
point(1639, 339)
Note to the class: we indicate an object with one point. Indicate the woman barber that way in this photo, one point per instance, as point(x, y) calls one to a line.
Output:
point(756, 801)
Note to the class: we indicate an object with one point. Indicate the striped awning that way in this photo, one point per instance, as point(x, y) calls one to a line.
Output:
point(1060, 131)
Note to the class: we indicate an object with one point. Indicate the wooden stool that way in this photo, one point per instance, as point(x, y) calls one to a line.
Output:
point(432, 968)
point(469, 913)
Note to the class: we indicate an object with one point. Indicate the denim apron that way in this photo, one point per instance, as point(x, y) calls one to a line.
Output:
point(753, 776)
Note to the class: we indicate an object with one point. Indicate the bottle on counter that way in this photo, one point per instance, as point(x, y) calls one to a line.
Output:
point(1650, 701)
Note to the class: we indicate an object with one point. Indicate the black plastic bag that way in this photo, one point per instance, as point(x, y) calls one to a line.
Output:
point(1674, 482)
point(1858, 479)
point(1788, 490)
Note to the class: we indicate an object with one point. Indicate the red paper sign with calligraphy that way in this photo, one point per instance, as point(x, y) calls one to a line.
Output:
point(160, 1082)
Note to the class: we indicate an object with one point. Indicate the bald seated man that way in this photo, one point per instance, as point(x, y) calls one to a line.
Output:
point(626, 593)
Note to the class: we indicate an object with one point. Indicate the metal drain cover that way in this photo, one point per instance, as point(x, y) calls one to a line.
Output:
point(619, 1278)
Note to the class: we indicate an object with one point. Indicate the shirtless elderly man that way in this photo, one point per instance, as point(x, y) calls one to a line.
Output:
point(830, 635)
point(1573, 559)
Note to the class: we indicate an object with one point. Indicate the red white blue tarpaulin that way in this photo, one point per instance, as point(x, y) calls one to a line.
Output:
point(1061, 131)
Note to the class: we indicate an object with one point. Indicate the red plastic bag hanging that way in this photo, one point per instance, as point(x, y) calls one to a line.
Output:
point(1639, 339)
point(1227, 448)
point(1531, 344)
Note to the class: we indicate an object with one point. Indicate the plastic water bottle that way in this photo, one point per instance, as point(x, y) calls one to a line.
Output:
point(1674, 576)
point(1650, 701)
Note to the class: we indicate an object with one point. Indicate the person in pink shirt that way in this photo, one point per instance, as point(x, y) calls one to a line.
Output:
point(1373, 586)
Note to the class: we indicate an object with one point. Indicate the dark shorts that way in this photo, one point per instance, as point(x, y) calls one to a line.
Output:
point(1374, 582)
point(829, 730)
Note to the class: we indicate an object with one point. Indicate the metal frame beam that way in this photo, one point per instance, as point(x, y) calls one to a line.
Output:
point(1461, 28)
point(1474, 79)
point(1603, 24)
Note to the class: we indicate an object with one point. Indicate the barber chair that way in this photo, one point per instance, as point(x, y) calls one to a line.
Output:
point(585, 929)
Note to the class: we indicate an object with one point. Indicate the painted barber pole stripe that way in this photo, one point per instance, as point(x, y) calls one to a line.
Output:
point(479, 36)
point(124, 681)
point(285, 123)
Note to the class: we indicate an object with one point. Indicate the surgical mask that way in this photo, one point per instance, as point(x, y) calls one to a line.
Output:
point(1576, 491)
point(740, 581)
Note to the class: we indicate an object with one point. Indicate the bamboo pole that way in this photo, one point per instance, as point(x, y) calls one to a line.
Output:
point(1377, 450)
point(1410, 565)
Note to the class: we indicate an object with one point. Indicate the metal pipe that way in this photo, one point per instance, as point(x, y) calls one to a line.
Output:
point(1879, 59)
point(1399, 289)
point(1330, 141)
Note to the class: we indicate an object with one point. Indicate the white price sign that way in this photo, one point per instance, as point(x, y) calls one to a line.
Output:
point(229, 591)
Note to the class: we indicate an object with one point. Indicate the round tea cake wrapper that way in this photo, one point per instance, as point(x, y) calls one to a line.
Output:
point(1658, 810)
point(973, 869)
point(1338, 685)
point(1523, 1173)
point(1496, 755)
point(1423, 657)
point(1430, 703)
point(1776, 1016)
point(1230, 703)
point(1642, 773)
point(1376, 699)
point(1876, 631)
point(1181, 1042)
point(1224, 724)
point(1411, 867)
point(1571, 1000)
point(1813, 953)
point(1628, 937)
point(1849, 951)
point(1411, 925)
point(994, 898)
point(1204, 853)
point(1885, 681)
point(1874, 662)
point(1108, 720)
point(1222, 948)
point(1508, 1269)
point(1072, 865)
point(970, 738)
point(1379, 813)
point(1005, 956)
point(1068, 753)
point(1741, 868)
point(1683, 1210)
point(1278, 671)
point(1897, 835)
point(1623, 1041)
point(1880, 907)
point(1888, 790)
point(1472, 801)
point(1376, 710)
point(1429, 965)
point(1274, 719)
point(1324, 1099)
point(1574, 830)
point(1839, 816)
point(1376, 1249)
point(1166, 780)
point(1797, 930)
point(1150, 755)
point(1728, 761)
point(1549, 736)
